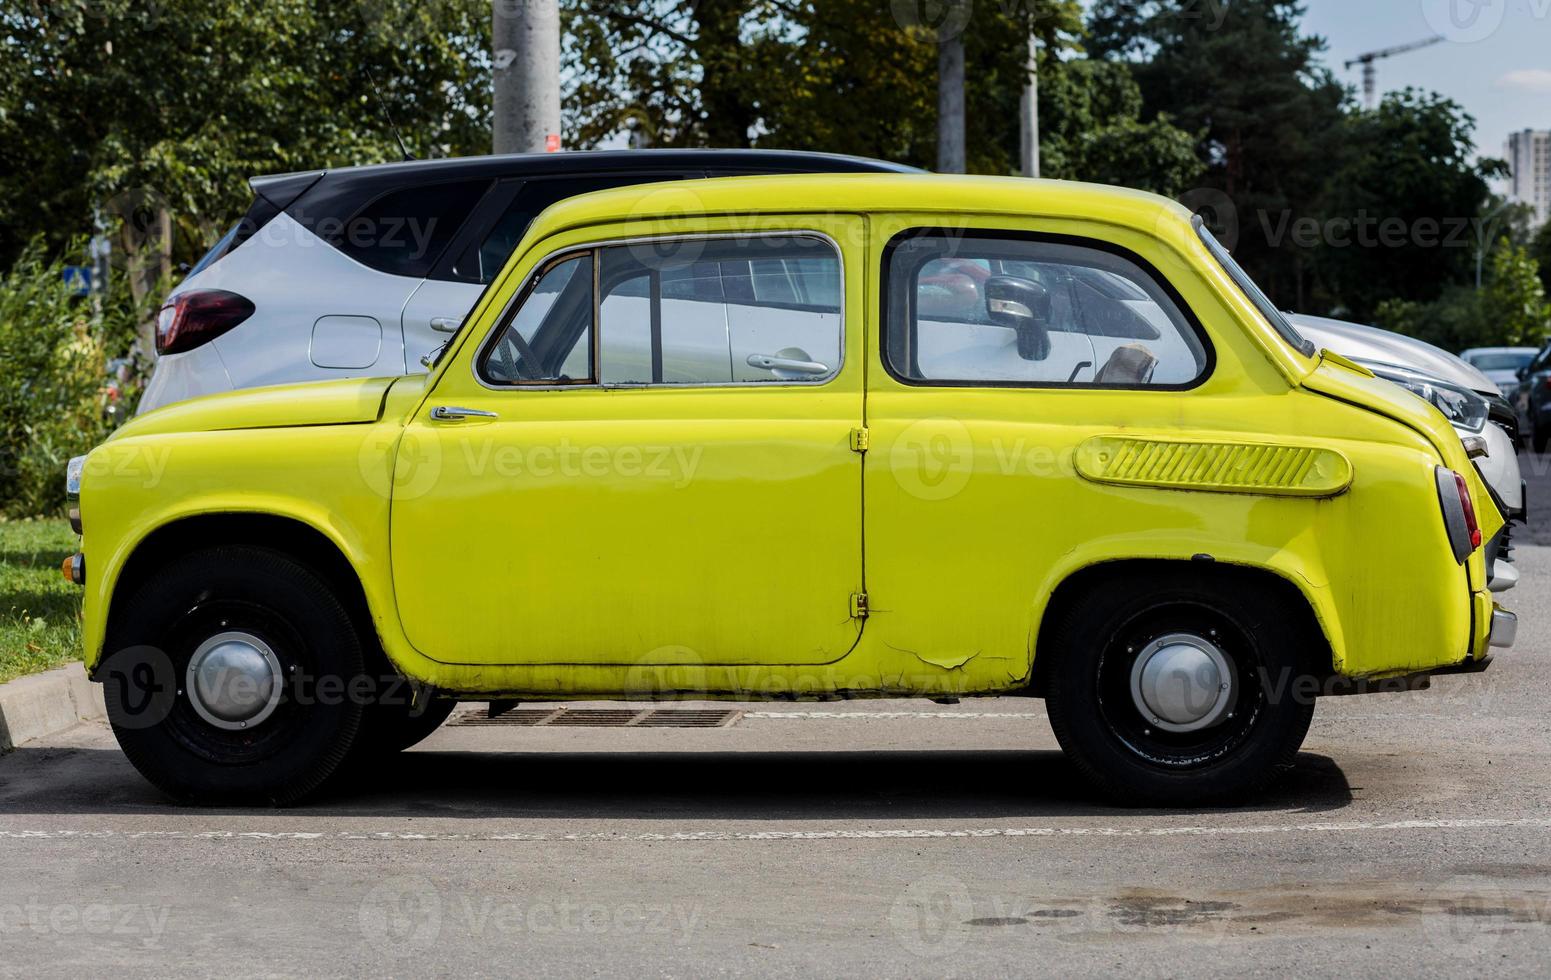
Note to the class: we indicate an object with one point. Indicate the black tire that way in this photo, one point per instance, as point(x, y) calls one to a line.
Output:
point(1123, 754)
point(263, 593)
point(394, 724)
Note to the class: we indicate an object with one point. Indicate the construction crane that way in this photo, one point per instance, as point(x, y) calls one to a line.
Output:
point(1370, 79)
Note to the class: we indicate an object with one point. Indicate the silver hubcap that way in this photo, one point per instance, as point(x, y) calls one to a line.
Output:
point(1183, 683)
point(234, 680)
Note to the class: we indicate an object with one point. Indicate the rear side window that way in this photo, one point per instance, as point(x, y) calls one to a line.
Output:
point(260, 213)
point(741, 310)
point(482, 259)
point(989, 309)
point(403, 233)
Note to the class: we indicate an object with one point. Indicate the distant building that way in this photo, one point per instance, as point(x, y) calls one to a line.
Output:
point(1529, 158)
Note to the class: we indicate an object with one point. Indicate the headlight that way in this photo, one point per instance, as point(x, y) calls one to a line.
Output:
point(73, 471)
point(1462, 407)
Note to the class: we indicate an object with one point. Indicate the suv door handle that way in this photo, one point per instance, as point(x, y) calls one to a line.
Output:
point(771, 362)
point(445, 324)
point(451, 413)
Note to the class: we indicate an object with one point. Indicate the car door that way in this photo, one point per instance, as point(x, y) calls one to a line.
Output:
point(1001, 353)
point(600, 489)
point(443, 298)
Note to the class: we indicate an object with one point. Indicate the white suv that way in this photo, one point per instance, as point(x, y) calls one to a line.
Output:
point(360, 272)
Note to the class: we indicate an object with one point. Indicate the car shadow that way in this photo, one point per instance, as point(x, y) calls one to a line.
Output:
point(1000, 785)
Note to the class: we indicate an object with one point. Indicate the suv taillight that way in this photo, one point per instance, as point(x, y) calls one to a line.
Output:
point(198, 317)
point(1459, 513)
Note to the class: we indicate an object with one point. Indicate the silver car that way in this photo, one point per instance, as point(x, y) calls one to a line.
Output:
point(1472, 402)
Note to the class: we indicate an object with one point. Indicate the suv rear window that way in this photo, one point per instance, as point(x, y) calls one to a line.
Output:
point(403, 233)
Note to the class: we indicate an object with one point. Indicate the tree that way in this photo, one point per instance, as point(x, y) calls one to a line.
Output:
point(1540, 251)
point(1399, 211)
point(1267, 115)
point(108, 103)
point(1091, 129)
point(1514, 304)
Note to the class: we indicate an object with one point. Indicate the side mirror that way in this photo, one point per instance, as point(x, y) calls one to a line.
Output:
point(1022, 305)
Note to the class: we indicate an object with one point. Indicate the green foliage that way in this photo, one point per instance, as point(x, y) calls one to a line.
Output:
point(1515, 299)
point(1091, 129)
point(55, 349)
point(1268, 116)
point(105, 103)
point(1540, 251)
point(1407, 175)
point(1511, 311)
point(40, 613)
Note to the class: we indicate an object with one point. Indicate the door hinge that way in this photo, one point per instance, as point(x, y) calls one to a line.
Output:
point(859, 439)
point(858, 605)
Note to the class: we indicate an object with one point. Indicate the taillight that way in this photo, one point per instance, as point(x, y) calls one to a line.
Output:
point(198, 317)
point(1459, 513)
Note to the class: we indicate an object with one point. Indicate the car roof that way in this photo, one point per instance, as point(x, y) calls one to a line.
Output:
point(862, 193)
point(375, 179)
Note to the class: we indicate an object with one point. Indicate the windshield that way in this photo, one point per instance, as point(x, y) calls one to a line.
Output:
point(1505, 361)
point(1267, 309)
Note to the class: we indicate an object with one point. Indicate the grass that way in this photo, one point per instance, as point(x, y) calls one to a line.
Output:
point(40, 613)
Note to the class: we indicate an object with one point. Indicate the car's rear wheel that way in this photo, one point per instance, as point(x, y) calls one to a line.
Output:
point(1190, 691)
point(233, 678)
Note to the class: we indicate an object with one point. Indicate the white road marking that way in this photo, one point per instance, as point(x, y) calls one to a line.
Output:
point(887, 715)
point(905, 833)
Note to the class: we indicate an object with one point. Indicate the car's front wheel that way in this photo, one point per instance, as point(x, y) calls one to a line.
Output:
point(1181, 690)
point(233, 677)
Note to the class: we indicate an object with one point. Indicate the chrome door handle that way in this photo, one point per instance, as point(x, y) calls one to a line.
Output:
point(445, 324)
point(451, 413)
point(771, 362)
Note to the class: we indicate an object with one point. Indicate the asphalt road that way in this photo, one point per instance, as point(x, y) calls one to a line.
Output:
point(882, 838)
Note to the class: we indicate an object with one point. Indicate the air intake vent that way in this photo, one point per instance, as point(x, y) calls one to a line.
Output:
point(1223, 467)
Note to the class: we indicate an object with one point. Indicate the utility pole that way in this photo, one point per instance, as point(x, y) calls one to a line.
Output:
point(526, 76)
point(951, 155)
point(1029, 114)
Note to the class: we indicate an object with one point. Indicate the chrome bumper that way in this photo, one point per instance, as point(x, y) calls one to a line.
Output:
point(1505, 628)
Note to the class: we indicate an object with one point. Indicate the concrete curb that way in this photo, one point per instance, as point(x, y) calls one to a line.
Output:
point(32, 707)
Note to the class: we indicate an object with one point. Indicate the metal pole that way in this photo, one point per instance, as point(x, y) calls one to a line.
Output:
point(526, 100)
point(1030, 114)
point(951, 154)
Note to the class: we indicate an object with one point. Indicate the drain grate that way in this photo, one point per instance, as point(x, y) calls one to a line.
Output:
point(605, 718)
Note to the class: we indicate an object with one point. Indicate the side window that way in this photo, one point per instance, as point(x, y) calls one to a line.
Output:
point(721, 311)
point(549, 339)
point(697, 311)
point(481, 260)
point(973, 309)
point(405, 232)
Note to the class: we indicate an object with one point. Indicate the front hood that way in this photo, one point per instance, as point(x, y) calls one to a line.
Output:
point(350, 401)
point(1356, 386)
point(1364, 343)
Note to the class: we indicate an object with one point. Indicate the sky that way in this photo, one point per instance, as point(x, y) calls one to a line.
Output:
point(1496, 61)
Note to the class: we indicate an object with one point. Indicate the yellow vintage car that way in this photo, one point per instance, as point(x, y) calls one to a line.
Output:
point(808, 437)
